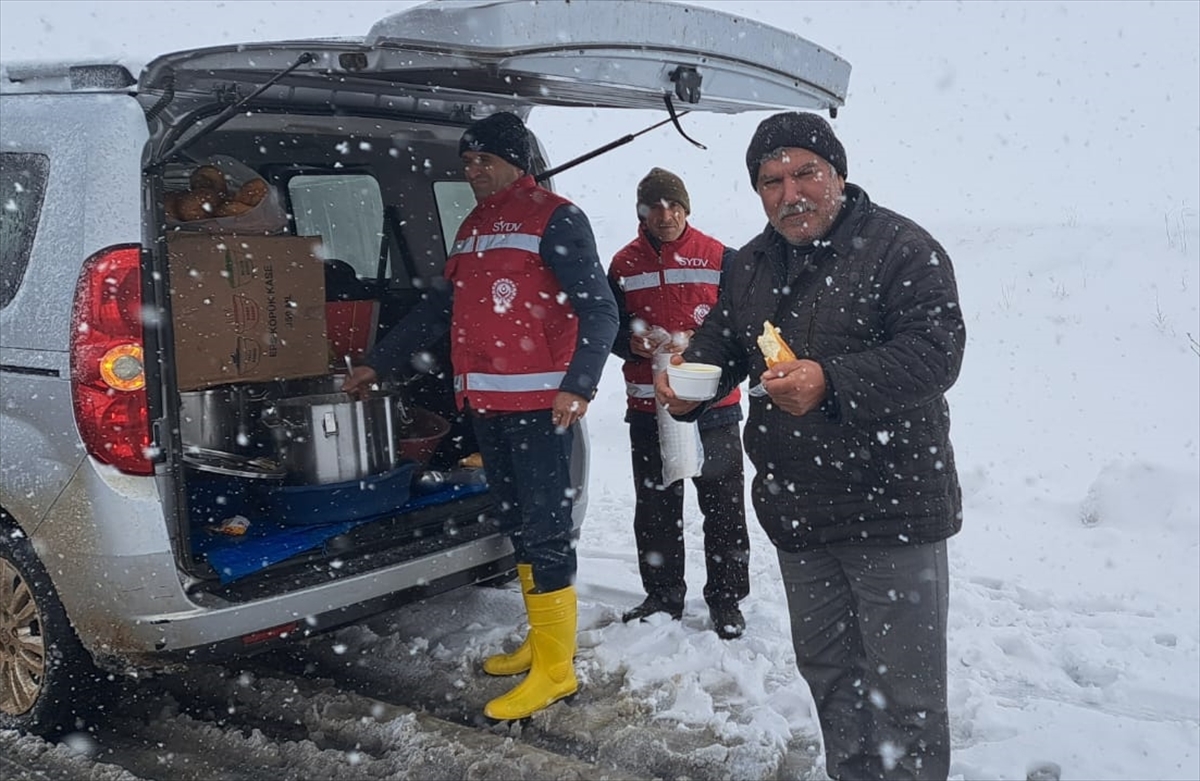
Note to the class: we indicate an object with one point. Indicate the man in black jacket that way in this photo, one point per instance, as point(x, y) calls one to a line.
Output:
point(855, 480)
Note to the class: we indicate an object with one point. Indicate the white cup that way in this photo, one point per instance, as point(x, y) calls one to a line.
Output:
point(694, 381)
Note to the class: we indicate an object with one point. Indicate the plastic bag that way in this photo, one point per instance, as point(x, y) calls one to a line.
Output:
point(679, 443)
point(267, 218)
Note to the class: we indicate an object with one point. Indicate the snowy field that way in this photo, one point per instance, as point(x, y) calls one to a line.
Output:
point(1052, 148)
point(1074, 633)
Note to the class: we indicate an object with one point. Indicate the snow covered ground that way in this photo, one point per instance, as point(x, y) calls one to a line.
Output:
point(1072, 222)
point(1075, 603)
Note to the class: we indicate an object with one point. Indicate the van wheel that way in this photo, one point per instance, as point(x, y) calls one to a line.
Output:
point(45, 674)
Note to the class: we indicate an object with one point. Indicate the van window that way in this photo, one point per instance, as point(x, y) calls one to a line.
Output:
point(22, 190)
point(455, 200)
point(346, 211)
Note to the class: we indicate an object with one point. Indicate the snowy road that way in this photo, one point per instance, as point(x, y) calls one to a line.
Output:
point(246, 727)
point(372, 702)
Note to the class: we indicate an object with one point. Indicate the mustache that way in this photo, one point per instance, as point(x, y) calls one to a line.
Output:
point(800, 207)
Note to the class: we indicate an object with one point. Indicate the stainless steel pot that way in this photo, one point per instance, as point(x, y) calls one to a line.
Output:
point(224, 419)
point(313, 386)
point(333, 437)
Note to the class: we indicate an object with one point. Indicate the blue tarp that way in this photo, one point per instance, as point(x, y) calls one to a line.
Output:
point(269, 542)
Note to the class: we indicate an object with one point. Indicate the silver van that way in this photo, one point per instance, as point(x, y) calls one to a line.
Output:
point(179, 478)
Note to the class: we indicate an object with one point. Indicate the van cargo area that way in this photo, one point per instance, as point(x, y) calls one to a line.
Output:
point(281, 471)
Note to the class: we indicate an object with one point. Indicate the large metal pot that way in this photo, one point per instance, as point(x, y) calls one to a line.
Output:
point(223, 419)
point(312, 386)
point(334, 437)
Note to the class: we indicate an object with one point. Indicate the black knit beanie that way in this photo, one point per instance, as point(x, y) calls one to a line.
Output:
point(662, 185)
point(503, 135)
point(794, 129)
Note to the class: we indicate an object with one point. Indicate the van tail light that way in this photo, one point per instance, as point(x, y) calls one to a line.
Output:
point(108, 373)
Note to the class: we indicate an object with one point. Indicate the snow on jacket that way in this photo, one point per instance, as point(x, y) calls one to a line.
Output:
point(527, 305)
point(673, 287)
point(876, 304)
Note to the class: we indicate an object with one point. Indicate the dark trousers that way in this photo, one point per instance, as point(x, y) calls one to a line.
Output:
point(869, 630)
point(658, 517)
point(528, 465)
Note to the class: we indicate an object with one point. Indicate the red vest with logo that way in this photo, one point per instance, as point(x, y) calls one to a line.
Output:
point(673, 288)
point(512, 333)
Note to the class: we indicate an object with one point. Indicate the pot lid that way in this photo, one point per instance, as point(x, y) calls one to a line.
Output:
point(233, 464)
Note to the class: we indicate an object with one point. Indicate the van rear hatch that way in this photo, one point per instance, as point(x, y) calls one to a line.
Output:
point(476, 57)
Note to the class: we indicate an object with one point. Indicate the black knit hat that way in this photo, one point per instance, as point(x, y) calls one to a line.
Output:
point(794, 129)
point(503, 135)
point(662, 185)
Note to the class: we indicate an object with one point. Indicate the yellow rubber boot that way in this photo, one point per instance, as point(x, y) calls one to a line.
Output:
point(520, 659)
point(552, 623)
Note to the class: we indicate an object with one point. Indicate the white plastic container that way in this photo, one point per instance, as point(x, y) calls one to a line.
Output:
point(694, 381)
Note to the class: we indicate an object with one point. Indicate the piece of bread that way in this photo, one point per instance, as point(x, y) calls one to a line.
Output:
point(208, 177)
point(232, 209)
point(774, 349)
point(171, 206)
point(252, 192)
point(197, 205)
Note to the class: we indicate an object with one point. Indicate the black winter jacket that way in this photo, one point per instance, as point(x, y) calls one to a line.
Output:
point(877, 306)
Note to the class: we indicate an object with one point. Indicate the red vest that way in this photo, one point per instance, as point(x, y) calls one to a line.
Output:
point(512, 332)
point(675, 289)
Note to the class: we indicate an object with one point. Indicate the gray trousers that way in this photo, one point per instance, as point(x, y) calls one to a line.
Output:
point(869, 630)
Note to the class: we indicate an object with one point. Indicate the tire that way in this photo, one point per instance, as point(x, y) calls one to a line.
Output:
point(46, 677)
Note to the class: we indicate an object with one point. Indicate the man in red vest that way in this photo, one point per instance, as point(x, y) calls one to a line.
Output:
point(531, 323)
point(665, 281)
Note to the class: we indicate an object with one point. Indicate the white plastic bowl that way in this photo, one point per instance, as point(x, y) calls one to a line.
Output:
point(694, 381)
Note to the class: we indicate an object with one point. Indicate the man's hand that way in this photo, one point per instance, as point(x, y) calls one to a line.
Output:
point(567, 409)
point(645, 341)
point(797, 387)
point(358, 382)
point(641, 346)
point(666, 397)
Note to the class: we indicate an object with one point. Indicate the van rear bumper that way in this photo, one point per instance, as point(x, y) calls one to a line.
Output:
point(201, 625)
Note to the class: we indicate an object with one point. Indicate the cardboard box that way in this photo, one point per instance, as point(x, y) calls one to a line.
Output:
point(246, 308)
point(350, 326)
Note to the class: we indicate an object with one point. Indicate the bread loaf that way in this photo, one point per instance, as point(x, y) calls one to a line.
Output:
point(197, 205)
point(208, 177)
point(232, 209)
point(252, 192)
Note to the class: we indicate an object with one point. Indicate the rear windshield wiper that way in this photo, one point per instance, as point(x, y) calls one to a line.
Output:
point(611, 145)
point(230, 111)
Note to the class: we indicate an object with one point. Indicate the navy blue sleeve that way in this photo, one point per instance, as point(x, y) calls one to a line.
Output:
point(620, 346)
point(425, 323)
point(568, 249)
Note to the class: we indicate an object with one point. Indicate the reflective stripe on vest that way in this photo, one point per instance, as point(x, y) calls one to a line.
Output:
point(522, 241)
point(640, 281)
point(691, 276)
point(671, 276)
point(508, 383)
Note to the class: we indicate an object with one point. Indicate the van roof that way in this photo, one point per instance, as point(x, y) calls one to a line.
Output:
point(65, 77)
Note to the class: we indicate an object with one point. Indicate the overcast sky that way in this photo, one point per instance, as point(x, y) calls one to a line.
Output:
point(1044, 111)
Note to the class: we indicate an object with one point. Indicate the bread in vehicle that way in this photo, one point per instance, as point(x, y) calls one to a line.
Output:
point(232, 209)
point(198, 205)
point(774, 349)
point(252, 192)
point(171, 205)
point(208, 177)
